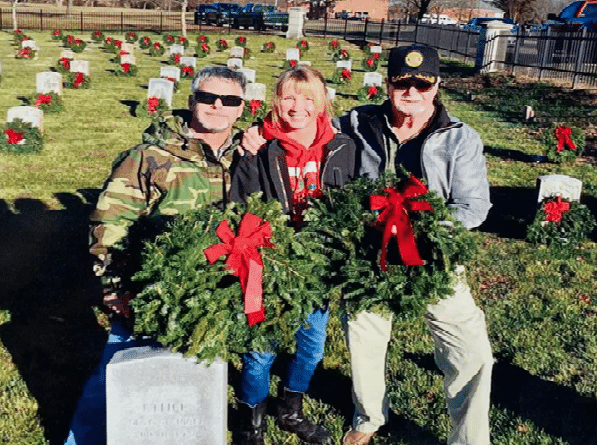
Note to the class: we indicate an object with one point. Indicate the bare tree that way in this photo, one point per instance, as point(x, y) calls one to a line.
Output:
point(520, 11)
point(14, 14)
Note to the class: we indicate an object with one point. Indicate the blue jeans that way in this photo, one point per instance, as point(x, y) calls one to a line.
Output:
point(310, 345)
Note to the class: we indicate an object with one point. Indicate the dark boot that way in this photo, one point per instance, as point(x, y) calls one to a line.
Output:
point(291, 419)
point(252, 424)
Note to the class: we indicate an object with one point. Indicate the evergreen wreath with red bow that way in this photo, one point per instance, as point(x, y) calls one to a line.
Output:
point(254, 109)
point(217, 284)
point(394, 244)
point(57, 34)
point(125, 70)
point(20, 138)
point(77, 80)
point(97, 36)
point(371, 93)
point(63, 65)
point(342, 76)
point(157, 49)
point(370, 63)
point(145, 42)
point(48, 103)
point(221, 45)
point(340, 54)
point(202, 50)
point(131, 37)
point(26, 53)
point(152, 107)
point(564, 144)
point(560, 223)
point(291, 63)
point(241, 41)
point(268, 47)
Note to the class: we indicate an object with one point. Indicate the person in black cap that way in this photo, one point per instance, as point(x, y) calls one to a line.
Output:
point(413, 129)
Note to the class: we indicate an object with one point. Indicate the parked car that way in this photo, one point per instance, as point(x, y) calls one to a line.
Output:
point(441, 19)
point(219, 13)
point(579, 14)
point(259, 17)
point(475, 23)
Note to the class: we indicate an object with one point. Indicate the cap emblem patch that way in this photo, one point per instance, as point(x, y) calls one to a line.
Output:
point(414, 59)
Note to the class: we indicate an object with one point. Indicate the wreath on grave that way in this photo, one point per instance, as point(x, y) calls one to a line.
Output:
point(97, 36)
point(187, 71)
point(564, 144)
point(109, 44)
point(241, 41)
point(48, 103)
point(246, 53)
point(152, 107)
point(20, 138)
point(126, 70)
point(268, 47)
point(118, 58)
point(334, 45)
point(77, 80)
point(57, 34)
point(372, 54)
point(202, 50)
point(144, 42)
point(370, 63)
point(157, 50)
point(214, 314)
point(182, 40)
point(288, 64)
point(117, 46)
point(131, 37)
point(371, 93)
point(174, 59)
point(26, 53)
point(254, 109)
point(18, 36)
point(203, 39)
point(78, 46)
point(394, 244)
point(63, 65)
point(342, 76)
point(303, 46)
point(560, 223)
point(221, 45)
point(169, 39)
point(341, 54)
point(68, 40)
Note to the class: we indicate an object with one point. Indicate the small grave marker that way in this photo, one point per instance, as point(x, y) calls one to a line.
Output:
point(234, 63)
point(344, 64)
point(170, 71)
point(128, 58)
point(33, 115)
point(67, 54)
point(161, 88)
point(237, 52)
point(255, 91)
point(176, 49)
point(48, 82)
point(80, 66)
point(559, 185)
point(373, 79)
point(293, 54)
point(249, 74)
point(331, 93)
point(189, 61)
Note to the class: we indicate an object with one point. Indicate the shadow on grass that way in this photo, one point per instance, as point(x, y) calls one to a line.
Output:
point(512, 208)
point(48, 289)
point(132, 104)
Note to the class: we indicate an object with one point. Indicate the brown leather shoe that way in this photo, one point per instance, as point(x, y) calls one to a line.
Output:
point(353, 437)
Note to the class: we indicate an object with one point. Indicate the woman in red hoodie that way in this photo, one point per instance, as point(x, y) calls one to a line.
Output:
point(303, 156)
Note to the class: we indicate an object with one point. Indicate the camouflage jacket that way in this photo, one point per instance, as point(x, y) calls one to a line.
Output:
point(170, 173)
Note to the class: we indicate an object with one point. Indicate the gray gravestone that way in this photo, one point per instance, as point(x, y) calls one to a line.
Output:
point(161, 88)
point(80, 66)
point(373, 79)
point(559, 185)
point(156, 397)
point(128, 58)
point(176, 49)
point(293, 54)
point(29, 44)
point(128, 47)
point(189, 61)
point(249, 74)
point(255, 91)
point(344, 64)
point(170, 71)
point(234, 63)
point(67, 54)
point(331, 93)
point(237, 52)
point(33, 115)
point(375, 49)
point(48, 82)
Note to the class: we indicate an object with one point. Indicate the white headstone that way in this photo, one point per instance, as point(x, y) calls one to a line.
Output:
point(304, 62)
point(67, 54)
point(375, 49)
point(249, 74)
point(344, 64)
point(237, 51)
point(528, 113)
point(189, 61)
point(234, 63)
point(559, 185)
point(33, 115)
point(48, 82)
point(156, 397)
point(128, 58)
point(80, 66)
point(331, 93)
point(128, 47)
point(161, 88)
point(176, 49)
point(293, 54)
point(255, 91)
point(29, 44)
point(170, 71)
point(373, 79)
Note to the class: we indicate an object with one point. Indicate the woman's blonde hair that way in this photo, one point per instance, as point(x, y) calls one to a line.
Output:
point(301, 80)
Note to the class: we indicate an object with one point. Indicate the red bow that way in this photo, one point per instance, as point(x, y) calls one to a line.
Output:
point(292, 63)
point(203, 38)
point(170, 38)
point(43, 99)
point(555, 209)
point(123, 53)
point(369, 62)
point(375, 55)
point(344, 53)
point(14, 137)
point(157, 45)
point(177, 58)
point(171, 79)
point(108, 39)
point(78, 79)
point(187, 70)
point(241, 39)
point(126, 67)
point(152, 104)
point(70, 38)
point(244, 259)
point(372, 91)
point(204, 48)
point(117, 43)
point(563, 137)
point(65, 62)
point(334, 43)
point(25, 52)
point(254, 105)
point(346, 74)
point(57, 32)
point(395, 208)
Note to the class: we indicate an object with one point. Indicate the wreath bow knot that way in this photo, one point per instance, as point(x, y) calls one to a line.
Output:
point(562, 135)
point(244, 260)
point(554, 210)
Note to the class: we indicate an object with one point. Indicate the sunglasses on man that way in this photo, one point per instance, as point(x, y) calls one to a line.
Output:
point(204, 97)
point(407, 84)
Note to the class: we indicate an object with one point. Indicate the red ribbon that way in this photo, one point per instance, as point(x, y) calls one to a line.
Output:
point(346, 74)
point(65, 62)
point(334, 43)
point(254, 105)
point(344, 53)
point(126, 67)
point(205, 48)
point(177, 58)
point(375, 55)
point(555, 209)
point(152, 104)
point(171, 79)
point(395, 207)
point(25, 52)
point(203, 38)
point(372, 91)
point(117, 43)
point(43, 99)
point(70, 38)
point(14, 137)
point(244, 259)
point(157, 45)
point(292, 63)
point(369, 62)
point(78, 79)
point(562, 135)
point(187, 70)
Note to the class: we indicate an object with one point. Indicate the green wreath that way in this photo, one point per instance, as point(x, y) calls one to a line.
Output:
point(560, 223)
point(340, 54)
point(109, 44)
point(221, 45)
point(157, 107)
point(565, 153)
point(241, 41)
point(289, 64)
point(131, 37)
point(202, 50)
point(126, 70)
point(97, 36)
point(48, 103)
point(157, 50)
point(174, 59)
point(351, 234)
point(169, 39)
point(77, 80)
point(202, 39)
point(57, 34)
point(303, 46)
point(268, 47)
point(371, 93)
point(197, 308)
point(77, 46)
point(63, 65)
point(26, 53)
point(342, 76)
point(144, 42)
point(254, 109)
point(334, 45)
point(370, 64)
point(182, 40)
point(20, 138)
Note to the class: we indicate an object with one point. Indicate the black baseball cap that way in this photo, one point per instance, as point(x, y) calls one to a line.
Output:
point(413, 61)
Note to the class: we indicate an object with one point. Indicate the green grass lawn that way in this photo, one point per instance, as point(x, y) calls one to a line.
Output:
point(540, 306)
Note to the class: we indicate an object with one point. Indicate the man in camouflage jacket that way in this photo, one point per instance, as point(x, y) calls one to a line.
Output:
point(183, 164)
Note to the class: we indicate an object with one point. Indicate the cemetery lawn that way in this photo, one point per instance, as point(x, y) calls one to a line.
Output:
point(540, 305)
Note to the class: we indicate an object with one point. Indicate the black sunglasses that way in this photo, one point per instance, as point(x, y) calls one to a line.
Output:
point(204, 97)
point(406, 84)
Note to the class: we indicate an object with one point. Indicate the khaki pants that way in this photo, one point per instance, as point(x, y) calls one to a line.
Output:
point(462, 352)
